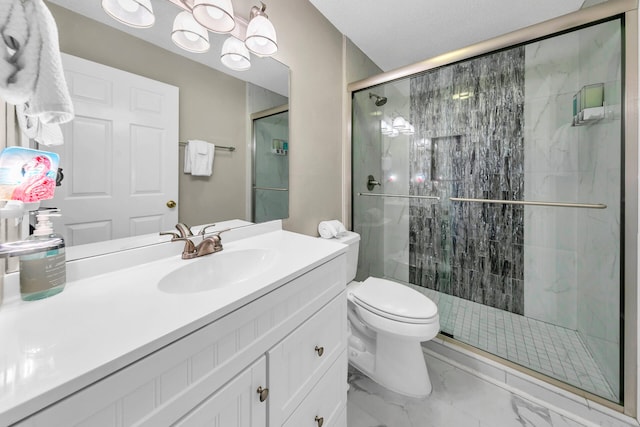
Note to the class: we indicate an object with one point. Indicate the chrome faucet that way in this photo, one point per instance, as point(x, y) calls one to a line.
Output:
point(207, 246)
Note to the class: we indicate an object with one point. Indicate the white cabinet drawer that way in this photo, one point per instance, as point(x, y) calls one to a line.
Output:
point(327, 401)
point(301, 359)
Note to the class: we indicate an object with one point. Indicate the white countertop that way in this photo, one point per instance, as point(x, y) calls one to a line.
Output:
point(97, 325)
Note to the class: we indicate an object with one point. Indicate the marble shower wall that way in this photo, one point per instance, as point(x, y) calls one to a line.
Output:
point(469, 143)
point(572, 256)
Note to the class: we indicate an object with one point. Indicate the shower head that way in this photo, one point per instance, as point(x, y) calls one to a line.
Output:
point(379, 100)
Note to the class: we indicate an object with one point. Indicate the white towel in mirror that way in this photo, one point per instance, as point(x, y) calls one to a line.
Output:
point(198, 157)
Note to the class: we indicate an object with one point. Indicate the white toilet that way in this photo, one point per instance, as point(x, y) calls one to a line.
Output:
point(387, 322)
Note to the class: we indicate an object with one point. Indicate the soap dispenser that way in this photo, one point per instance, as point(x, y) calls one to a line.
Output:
point(43, 273)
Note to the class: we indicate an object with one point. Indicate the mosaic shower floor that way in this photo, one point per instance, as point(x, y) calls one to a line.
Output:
point(552, 350)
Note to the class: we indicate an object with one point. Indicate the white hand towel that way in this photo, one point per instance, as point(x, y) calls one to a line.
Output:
point(331, 229)
point(198, 158)
point(51, 102)
point(34, 128)
point(19, 56)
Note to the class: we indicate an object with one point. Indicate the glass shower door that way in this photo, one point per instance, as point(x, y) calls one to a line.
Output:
point(494, 187)
point(271, 167)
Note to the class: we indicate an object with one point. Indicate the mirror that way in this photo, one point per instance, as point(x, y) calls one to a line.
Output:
point(214, 104)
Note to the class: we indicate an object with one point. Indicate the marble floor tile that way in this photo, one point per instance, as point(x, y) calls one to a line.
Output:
point(459, 399)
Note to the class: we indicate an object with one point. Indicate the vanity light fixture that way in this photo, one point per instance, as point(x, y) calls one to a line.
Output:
point(135, 13)
point(189, 34)
point(191, 26)
point(215, 15)
point(235, 54)
point(399, 125)
point(261, 35)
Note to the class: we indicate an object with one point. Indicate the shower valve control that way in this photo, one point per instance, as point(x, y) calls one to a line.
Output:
point(371, 182)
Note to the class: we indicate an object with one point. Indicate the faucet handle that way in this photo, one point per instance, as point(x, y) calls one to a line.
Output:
point(184, 230)
point(203, 230)
point(218, 233)
point(174, 235)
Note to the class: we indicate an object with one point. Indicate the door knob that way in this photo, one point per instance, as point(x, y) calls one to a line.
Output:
point(320, 350)
point(319, 420)
point(263, 392)
point(371, 183)
point(171, 204)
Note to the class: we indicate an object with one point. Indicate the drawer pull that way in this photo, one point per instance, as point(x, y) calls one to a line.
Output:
point(319, 420)
point(320, 351)
point(263, 392)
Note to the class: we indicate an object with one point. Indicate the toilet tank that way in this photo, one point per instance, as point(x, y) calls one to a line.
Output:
point(352, 240)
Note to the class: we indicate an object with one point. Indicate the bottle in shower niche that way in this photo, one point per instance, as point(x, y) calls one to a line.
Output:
point(43, 273)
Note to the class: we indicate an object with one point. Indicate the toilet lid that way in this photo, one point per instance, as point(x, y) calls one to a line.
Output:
point(395, 301)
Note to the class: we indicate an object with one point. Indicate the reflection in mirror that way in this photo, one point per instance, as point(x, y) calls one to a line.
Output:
point(271, 164)
point(213, 106)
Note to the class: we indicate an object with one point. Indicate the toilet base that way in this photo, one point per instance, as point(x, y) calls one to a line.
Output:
point(398, 365)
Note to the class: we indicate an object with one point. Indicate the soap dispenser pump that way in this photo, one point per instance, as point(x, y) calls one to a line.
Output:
point(43, 274)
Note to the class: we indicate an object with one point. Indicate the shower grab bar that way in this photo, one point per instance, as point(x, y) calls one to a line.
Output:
point(532, 203)
point(271, 188)
point(400, 195)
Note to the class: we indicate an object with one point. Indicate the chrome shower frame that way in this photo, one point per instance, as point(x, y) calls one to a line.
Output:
point(628, 10)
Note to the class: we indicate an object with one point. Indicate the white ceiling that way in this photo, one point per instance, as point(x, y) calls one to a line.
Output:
point(265, 72)
point(395, 33)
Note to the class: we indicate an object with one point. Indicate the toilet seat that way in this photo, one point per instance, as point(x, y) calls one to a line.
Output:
point(395, 301)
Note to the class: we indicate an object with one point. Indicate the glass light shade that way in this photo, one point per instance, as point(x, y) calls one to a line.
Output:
point(261, 36)
point(408, 129)
point(398, 123)
point(385, 129)
point(134, 13)
point(235, 55)
point(214, 15)
point(188, 34)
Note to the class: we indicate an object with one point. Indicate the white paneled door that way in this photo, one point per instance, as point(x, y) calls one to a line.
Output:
point(120, 156)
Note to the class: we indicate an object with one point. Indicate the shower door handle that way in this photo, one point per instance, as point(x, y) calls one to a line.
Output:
point(371, 183)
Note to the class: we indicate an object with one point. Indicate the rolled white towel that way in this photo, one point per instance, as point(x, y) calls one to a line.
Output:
point(331, 229)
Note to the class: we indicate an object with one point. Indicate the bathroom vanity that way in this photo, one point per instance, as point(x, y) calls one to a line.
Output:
point(265, 347)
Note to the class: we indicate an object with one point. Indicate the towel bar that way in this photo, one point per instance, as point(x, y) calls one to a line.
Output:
point(532, 203)
point(218, 147)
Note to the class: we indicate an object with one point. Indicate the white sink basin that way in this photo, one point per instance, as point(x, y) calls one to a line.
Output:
point(218, 270)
